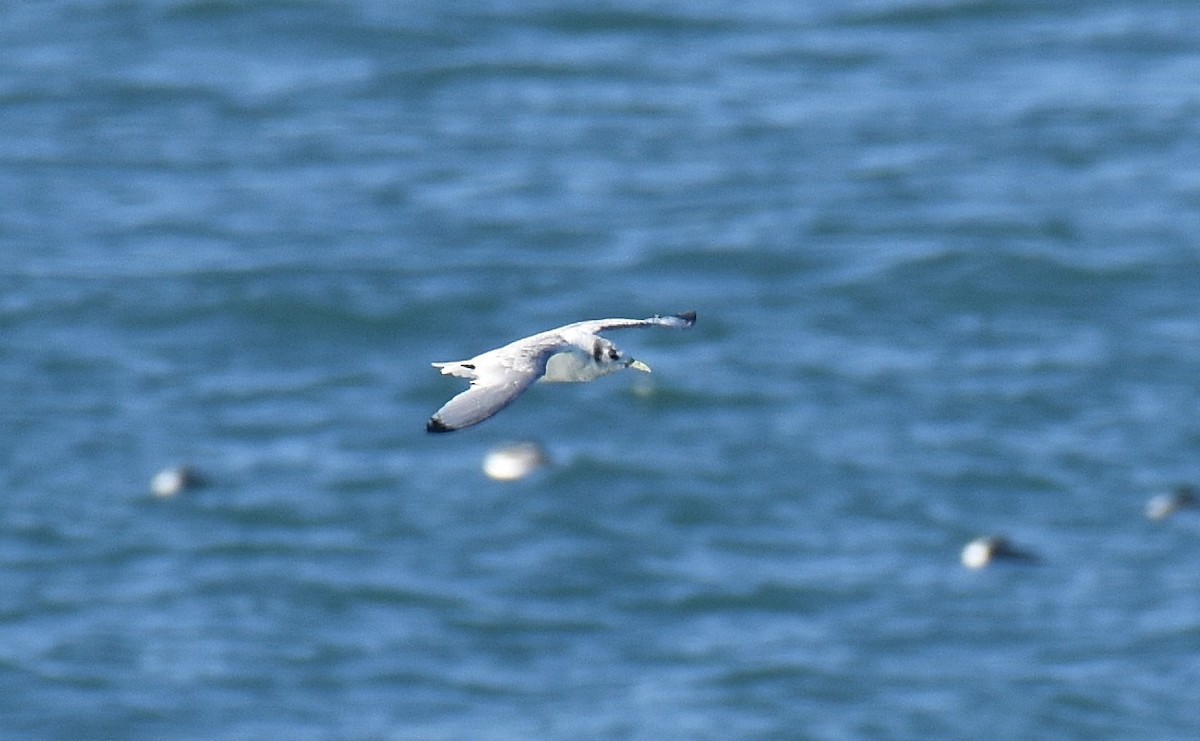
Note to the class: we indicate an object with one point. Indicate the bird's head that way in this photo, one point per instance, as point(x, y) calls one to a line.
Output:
point(611, 359)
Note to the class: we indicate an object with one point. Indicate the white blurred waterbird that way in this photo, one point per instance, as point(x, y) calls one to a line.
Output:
point(514, 461)
point(1162, 506)
point(570, 354)
point(171, 481)
point(982, 551)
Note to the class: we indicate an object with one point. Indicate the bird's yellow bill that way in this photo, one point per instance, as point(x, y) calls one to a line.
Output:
point(639, 365)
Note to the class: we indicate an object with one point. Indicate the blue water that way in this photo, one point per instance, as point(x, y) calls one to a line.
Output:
point(945, 257)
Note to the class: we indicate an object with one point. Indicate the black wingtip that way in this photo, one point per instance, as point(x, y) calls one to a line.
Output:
point(688, 316)
point(435, 425)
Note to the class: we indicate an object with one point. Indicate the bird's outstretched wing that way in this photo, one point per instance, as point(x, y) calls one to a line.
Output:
point(675, 321)
point(501, 376)
point(479, 402)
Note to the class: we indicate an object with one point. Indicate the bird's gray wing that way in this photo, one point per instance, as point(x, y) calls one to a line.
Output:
point(503, 377)
point(478, 403)
point(675, 321)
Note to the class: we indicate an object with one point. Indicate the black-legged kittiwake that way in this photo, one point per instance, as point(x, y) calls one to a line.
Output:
point(573, 353)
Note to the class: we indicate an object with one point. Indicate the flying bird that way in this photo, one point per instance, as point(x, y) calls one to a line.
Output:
point(570, 354)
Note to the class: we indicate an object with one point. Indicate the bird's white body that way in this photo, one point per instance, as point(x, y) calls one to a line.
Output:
point(571, 364)
point(575, 366)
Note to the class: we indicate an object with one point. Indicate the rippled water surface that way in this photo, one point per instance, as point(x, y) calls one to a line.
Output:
point(945, 261)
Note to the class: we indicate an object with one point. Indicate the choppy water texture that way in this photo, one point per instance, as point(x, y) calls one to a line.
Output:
point(945, 259)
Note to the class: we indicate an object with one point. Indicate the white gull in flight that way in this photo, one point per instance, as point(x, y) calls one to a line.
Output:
point(573, 353)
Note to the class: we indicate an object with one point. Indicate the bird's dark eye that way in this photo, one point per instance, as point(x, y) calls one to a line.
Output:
point(612, 354)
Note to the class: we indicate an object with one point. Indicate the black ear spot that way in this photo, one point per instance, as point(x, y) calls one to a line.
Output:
point(597, 350)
